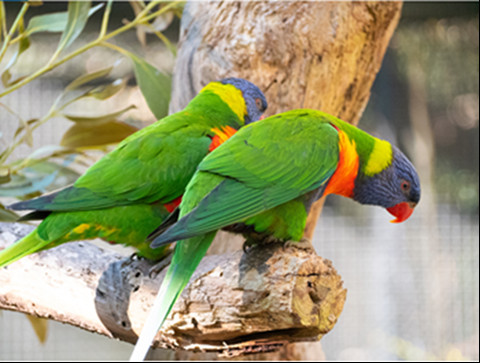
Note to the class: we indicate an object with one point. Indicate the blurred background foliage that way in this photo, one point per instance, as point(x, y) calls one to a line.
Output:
point(67, 97)
point(83, 97)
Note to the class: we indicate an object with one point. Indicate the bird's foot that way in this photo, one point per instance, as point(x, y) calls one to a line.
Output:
point(249, 244)
point(262, 240)
point(133, 257)
point(304, 244)
point(158, 267)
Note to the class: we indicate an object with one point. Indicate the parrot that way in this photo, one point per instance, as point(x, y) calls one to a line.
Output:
point(125, 195)
point(262, 182)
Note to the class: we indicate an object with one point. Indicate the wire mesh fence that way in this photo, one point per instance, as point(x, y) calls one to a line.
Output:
point(412, 288)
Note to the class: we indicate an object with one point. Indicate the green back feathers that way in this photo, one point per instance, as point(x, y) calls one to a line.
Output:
point(267, 164)
point(253, 172)
point(375, 155)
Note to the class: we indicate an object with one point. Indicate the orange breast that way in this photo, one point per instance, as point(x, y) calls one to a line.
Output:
point(342, 181)
point(221, 136)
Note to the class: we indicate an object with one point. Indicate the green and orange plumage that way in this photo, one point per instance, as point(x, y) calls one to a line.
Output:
point(262, 181)
point(294, 157)
point(131, 190)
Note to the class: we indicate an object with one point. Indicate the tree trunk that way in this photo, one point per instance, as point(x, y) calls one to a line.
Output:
point(320, 55)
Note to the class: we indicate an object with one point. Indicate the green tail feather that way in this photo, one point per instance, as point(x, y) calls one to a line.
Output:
point(31, 243)
point(188, 254)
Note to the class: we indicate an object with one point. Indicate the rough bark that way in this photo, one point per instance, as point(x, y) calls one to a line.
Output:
point(321, 55)
point(236, 303)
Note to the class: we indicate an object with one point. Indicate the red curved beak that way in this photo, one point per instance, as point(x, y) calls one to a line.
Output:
point(401, 211)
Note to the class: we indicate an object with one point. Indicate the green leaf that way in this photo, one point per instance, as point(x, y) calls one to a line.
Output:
point(6, 77)
point(67, 97)
point(64, 175)
point(56, 22)
point(21, 185)
point(81, 136)
point(24, 41)
point(7, 215)
point(40, 177)
point(39, 161)
point(23, 45)
point(4, 175)
point(40, 327)
point(104, 92)
point(85, 78)
point(91, 121)
point(46, 152)
point(78, 13)
point(155, 85)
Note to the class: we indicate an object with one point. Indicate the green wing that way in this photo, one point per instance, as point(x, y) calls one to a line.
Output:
point(154, 164)
point(262, 166)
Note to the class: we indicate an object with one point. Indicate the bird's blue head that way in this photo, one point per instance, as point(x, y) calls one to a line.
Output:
point(255, 100)
point(396, 188)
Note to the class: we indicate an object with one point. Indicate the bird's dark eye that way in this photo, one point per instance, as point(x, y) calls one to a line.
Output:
point(259, 104)
point(405, 185)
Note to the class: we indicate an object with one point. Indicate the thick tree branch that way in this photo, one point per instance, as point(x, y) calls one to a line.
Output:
point(236, 303)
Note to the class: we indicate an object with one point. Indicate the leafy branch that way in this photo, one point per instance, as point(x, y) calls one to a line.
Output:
point(33, 174)
point(142, 18)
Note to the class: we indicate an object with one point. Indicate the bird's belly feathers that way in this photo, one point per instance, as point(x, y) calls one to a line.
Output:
point(284, 222)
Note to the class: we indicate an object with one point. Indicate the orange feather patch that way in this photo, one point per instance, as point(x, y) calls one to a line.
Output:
point(342, 181)
point(221, 136)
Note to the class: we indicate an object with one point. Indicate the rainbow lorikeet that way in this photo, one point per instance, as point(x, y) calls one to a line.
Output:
point(263, 180)
point(124, 196)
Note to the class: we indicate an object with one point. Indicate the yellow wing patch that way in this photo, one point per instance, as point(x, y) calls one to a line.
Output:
point(86, 230)
point(81, 228)
point(229, 94)
point(380, 158)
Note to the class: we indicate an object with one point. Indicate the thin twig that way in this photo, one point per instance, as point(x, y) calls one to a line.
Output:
point(106, 17)
point(6, 41)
